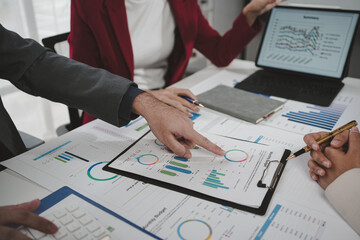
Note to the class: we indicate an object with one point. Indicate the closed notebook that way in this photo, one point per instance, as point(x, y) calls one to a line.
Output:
point(239, 103)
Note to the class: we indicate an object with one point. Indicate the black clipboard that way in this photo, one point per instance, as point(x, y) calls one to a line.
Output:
point(258, 211)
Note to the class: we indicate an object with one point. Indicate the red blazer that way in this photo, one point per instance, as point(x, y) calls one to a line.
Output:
point(100, 37)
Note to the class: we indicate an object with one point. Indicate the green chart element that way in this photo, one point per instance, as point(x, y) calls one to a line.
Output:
point(99, 179)
point(178, 164)
point(168, 173)
point(142, 127)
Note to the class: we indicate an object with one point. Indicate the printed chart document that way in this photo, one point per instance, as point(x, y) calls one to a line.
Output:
point(172, 215)
point(232, 177)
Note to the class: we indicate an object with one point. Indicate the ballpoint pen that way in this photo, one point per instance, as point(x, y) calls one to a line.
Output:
point(189, 99)
point(325, 138)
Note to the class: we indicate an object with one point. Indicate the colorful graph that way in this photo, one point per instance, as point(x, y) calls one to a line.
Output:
point(298, 40)
point(177, 166)
point(317, 116)
point(213, 180)
point(147, 159)
point(236, 155)
point(194, 229)
point(96, 173)
point(52, 151)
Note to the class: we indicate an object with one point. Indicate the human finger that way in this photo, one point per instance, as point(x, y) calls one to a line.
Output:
point(202, 141)
point(185, 92)
point(8, 233)
point(354, 141)
point(187, 104)
point(30, 206)
point(340, 140)
point(313, 176)
point(188, 144)
point(311, 139)
point(29, 219)
point(175, 145)
point(320, 158)
point(315, 169)
point(333, 154)
point(179, 106)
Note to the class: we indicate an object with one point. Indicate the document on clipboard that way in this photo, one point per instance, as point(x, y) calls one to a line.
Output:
point(245, 178)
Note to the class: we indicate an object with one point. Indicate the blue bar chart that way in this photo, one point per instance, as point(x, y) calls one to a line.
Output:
point(214, 181)
point(318, 116)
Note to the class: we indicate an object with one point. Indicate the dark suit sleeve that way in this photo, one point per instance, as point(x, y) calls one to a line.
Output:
point(39, 72)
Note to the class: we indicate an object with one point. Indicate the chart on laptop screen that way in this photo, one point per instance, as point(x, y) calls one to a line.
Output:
point(305, 40)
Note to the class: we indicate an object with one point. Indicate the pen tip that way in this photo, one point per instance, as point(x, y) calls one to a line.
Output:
point(200, 105)
point(290, 157)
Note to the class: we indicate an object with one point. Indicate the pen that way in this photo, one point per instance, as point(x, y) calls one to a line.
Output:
point(305, 149)
point(189, 99)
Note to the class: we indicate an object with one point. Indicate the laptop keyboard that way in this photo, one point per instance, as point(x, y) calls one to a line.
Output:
point(304, 89)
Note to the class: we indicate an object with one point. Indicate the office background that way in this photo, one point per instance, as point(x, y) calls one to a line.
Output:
point(38, 19)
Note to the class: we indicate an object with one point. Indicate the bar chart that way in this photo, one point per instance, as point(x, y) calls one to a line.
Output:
point(318, 116)
point(214, 181)
point(178, 166)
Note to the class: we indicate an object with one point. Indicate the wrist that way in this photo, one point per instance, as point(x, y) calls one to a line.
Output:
point(145, 103)
point(249, 16)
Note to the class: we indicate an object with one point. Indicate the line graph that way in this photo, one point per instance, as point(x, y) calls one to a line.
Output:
point(298, 39)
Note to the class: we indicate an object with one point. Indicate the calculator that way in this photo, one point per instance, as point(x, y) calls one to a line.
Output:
point(81, 218)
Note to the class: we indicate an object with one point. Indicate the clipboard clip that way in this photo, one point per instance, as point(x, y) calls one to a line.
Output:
point(274, 179)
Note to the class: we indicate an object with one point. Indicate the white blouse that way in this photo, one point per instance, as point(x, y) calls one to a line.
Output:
point(152, 32)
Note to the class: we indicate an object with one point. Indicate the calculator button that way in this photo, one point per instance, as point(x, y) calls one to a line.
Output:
point(80, 234)
point(60, 214)
point(72, 208)
point(78, 213)
point(66, 220)
point(92, 227)
point(85, 220)
point(25, 231)
point(37, 234)
point(99, 232)
point(72, 227)
point(60, 234)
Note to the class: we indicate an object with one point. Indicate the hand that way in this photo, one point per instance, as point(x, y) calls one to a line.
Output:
point(257, 7)
point(317, 156)
point(22, 214)
point(171, 127)
point(342, 161)
point(172, 97)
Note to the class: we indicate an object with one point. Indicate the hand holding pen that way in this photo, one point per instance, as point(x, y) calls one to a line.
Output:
point(318, 141)
point(175, 97)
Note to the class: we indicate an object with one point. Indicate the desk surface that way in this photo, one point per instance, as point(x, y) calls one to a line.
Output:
point(22, 189)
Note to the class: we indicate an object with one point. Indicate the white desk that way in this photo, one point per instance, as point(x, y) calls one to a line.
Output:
point(21, 189)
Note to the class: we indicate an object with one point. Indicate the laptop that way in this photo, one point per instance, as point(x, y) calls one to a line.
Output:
point(304, 54)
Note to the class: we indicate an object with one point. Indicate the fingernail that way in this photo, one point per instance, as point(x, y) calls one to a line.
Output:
point(326, 164)
point(197, 109)
point(354, 130)
point(190, 114)
point(187, 155)
point(319, 172)
point(313, 177)
point(335, 142)
point(222, 153)
point(314, 146)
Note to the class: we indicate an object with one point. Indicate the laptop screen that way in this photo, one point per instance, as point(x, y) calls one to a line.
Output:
point(311, 41)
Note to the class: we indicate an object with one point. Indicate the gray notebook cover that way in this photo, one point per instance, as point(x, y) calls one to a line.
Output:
point(239, 103)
